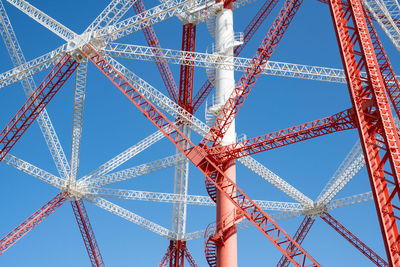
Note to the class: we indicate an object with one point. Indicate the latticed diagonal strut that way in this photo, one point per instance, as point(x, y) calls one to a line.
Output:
point(35, 103)
point(87, 233)
point(32, 221)
point(162, 64)
point(201, 159)
point(357, 243)
point(335, 123)
point(378, 133)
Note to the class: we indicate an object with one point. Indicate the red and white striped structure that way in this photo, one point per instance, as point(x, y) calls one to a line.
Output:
point(373, 87)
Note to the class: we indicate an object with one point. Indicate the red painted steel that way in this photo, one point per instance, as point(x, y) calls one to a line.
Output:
point(36, 103)
point(30, 223)
point(392, 85)
point(187, 71)
point(357, 243)
point(190, 258)
point(86, 229)
point(248, 33)
point(338, 122)
point(161, 63)
point(177, 255)
point(205, 163)
point(252, 72)
point(164, 260)
point(299, 236)
point(378, 133)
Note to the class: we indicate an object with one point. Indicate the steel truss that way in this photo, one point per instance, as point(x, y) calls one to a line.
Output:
point(370, 79)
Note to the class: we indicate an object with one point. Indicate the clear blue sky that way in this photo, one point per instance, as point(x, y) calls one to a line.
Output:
point(112, 124)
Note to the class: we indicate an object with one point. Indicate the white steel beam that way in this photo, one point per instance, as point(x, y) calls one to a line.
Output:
point(206, 60)
point(45, 20)
point(350, 166)
point(33, 170)
point(181, 179)
point(382, 15)
point(122, 157)
point(115, 10)
point(79, 98)
point(133, 172)
point(179, 198)
point(28, 84)
point(132, 217)
point(32, 67)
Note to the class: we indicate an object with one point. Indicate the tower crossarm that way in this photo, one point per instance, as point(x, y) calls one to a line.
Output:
point(201, 128)
point(28, 84)
point(30, 223)
point(133, 172)
point(122, 157)
point(337, 122)
point(34, 171)
point(113, 12)
point(132, 217)
point(45, 20)
point(357, 243)
point(199, 157)
point(162, 65)
point(35, 103)
point(253, 71)
point(87, 233)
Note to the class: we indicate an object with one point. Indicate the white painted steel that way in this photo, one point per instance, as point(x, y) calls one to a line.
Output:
point(133, 172)
point(28, 84)
point(45, 20)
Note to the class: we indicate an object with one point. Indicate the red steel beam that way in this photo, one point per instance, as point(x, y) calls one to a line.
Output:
point(392, 85)
point(36, 103)
point(299, 236)
point(252, 72)
point(164, 260)
point(87, 233)
point(30, 223)
point(357, 243)
point(186, 71)
point(205, 163)
point(190, 258)
point(248, 33)
point(338, 122)
point(378, 133)
point(161, 63)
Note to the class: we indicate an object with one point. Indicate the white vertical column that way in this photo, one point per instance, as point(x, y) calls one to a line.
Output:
point(224, 84)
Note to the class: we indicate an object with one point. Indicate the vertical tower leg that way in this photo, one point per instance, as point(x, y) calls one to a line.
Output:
point(224, 84)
